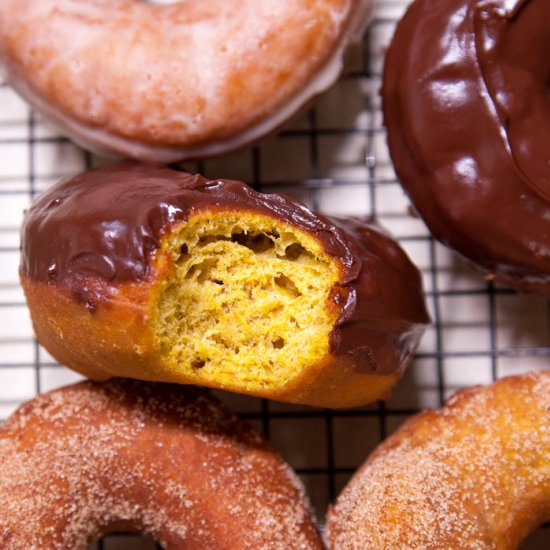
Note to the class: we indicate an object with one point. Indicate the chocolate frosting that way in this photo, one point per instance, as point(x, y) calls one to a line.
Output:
point(106, 225)
point(468, 117)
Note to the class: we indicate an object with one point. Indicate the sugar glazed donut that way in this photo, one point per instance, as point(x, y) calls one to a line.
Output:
point(466, 107)
point(475, 474)
point(145, 272)
point(170, 82)
point(164, 460)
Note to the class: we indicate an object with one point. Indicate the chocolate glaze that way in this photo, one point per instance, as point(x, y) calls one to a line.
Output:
point(468, 116)
point(107, 224)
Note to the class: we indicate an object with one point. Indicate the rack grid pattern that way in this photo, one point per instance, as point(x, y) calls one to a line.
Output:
point(333, 158)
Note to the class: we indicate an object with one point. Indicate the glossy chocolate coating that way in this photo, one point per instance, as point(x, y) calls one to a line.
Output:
point(468, 117)
point(109, 222)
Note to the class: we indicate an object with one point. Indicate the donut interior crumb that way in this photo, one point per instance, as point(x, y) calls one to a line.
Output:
point(246, 301)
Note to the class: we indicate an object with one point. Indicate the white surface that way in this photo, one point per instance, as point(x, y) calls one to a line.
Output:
point(481, 333)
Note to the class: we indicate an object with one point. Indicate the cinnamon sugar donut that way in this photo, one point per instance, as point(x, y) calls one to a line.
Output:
point(475, 474)
point(171, 82)
point(145, 272)
point(467, 112)
point(172, 462)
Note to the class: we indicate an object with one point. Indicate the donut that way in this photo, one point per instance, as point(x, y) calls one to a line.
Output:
point(165, 83)
point(164, 460)
point(146, 272)
point(466, 109)
point(474, 474)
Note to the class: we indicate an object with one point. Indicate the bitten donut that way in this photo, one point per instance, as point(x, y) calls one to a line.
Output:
point(475, 474)
point(146, 272)
point(162, 460)
point(170, 82)
point(467, 111)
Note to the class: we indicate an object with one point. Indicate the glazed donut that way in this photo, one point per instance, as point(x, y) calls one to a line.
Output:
point(145, 272)
point(168, 461)
point(170, 82)
point(466, 107)
point(475, 474)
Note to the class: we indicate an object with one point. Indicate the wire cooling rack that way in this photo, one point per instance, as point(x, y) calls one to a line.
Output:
point(333, 158)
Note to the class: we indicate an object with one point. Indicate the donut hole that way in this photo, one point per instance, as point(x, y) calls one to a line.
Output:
point(536, 539)
point(246, 301)
point(125, 540)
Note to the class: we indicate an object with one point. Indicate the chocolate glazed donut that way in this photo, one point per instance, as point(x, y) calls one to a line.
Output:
point(145, 272)
point(466, 107)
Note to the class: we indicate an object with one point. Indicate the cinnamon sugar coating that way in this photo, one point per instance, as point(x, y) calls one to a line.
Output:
point(164, 460)
point(475, 474)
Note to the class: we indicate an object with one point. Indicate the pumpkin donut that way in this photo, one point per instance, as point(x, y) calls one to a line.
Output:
point(145, 272)
point(170, 82)
point(163, 460)
point(475, 474)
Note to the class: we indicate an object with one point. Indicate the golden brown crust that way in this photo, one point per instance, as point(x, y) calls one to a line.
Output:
point(164, 460)
point(475, 474)
point(116, 340)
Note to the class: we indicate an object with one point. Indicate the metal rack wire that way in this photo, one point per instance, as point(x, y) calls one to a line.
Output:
point(333, 158)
